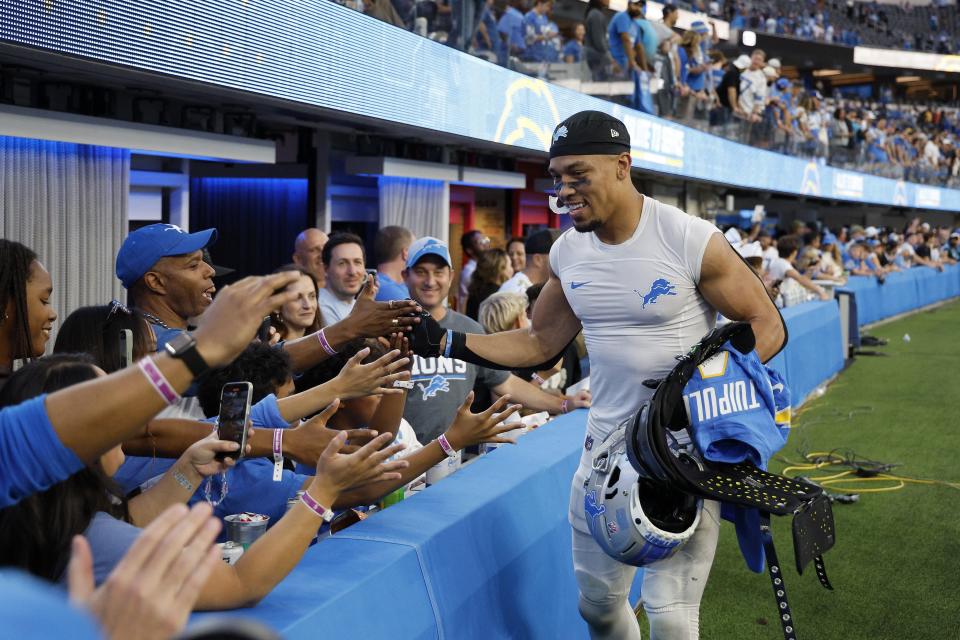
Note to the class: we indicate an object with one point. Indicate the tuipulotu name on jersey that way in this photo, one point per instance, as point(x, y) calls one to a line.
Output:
point(712, 402)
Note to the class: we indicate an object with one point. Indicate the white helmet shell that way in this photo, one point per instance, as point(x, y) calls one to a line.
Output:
point(619, 507)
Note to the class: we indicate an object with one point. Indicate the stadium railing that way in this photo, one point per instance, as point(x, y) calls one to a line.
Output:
point(486, 553)
point(901, 292)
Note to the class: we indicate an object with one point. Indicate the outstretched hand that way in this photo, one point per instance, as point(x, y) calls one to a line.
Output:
point(487, 426)
point(427, 337)
point(153, 589)
point(371, 319)
point(356, 379)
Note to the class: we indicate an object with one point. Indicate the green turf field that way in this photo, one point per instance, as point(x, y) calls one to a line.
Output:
point(896, 565)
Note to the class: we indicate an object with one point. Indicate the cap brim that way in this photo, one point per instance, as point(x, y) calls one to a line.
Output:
point(193, 242)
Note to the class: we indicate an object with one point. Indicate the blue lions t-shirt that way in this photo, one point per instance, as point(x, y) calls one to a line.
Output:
point(442, 384)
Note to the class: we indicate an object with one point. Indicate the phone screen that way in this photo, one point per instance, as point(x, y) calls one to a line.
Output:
point(263, 334)
point(232, 424)
point(126, 348)
point(371, 274)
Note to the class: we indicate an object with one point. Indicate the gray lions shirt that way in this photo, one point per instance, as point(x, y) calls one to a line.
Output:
point(442, 384)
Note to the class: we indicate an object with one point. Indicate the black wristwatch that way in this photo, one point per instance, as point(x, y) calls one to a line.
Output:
point(184, 346)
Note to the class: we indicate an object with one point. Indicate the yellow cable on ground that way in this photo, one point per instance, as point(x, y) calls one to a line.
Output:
point(822, 459)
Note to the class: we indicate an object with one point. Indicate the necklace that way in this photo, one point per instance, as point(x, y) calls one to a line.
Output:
point(154, 319)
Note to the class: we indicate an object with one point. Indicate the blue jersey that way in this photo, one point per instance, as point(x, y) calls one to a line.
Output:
point(621, 23)
point(535, 25)
point(511, 25)
point(733, 410)
point(739, 410)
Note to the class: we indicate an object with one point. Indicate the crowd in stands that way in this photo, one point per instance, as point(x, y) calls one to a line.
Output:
point(933, 27)
point(804, 262)
point(113, 468)
point(745, 98)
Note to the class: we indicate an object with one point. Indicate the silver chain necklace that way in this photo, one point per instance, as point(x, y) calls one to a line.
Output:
point(154, 319)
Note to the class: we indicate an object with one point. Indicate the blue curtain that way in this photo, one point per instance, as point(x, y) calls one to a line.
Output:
point(257, 219)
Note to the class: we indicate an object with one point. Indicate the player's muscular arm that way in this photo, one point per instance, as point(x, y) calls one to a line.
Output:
point(554, 326)
point(733, 289)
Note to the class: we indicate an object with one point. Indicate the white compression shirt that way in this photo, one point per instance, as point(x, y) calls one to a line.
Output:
point(638, 303)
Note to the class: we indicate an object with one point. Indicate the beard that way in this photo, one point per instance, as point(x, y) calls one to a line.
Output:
point(586, 226)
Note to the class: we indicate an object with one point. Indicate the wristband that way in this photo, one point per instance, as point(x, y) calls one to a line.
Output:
point(403, 384)
point(322, 338)
point(277, 455)
point(565, 405)
point(449, 346)
point(445, 445)
point(538, 379)
point(159, 382)
point(313, 505)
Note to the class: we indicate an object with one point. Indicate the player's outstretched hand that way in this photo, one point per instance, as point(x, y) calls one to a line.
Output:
point(426, 338)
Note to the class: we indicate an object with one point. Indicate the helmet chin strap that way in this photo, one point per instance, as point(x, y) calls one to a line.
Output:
point(558, 206)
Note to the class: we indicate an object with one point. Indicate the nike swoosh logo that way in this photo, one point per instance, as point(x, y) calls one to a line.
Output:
point(577, 285)
point(777, 387)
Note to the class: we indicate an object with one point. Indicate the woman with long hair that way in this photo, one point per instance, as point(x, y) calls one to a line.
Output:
point(35, 533)
point(302, 316)
point(26, 312)
point(96, 330)
point(493, 269)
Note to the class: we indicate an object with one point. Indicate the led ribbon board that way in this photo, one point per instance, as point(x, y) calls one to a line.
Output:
point(320, 53)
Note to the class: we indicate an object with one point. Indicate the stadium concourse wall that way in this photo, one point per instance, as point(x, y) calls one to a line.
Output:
point(486, 553)
point(308, 55)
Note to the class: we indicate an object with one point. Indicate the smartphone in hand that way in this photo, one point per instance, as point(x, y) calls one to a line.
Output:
point(263, 333)
point(371, 274)
point(126, 348)
point(234, 411)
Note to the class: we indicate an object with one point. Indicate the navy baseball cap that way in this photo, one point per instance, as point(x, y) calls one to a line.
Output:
point(145, 246)
point(427, 246)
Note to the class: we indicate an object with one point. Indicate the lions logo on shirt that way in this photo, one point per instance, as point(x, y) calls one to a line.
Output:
point(433, 375)
point(435, 386)
point(660, 287)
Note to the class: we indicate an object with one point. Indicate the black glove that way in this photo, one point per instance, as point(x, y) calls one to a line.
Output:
point(426, 336)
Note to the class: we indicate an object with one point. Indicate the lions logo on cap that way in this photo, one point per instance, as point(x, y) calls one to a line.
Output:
point(561, 133)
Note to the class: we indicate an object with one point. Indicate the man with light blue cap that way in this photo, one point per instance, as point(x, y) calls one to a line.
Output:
point(442, 383)
point(161, 266)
